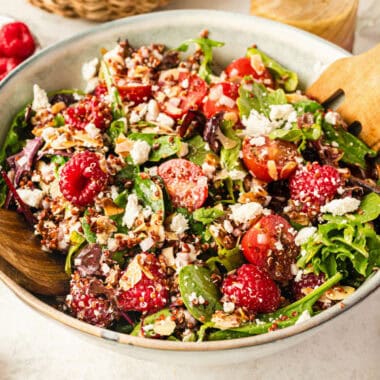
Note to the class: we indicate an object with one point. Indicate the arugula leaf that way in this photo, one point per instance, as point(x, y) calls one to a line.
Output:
point(162, 146)
point(259, 99)
point(197, 150)
point(116, 103)
point(150, 193)
point(229, 158)
point(206, 45)
point(76, 241)
point(292, 312)
point(283, 76)
point(116, 128)
point(345, 241)
point(354, 150)
point(207, 215)
point(195, 281)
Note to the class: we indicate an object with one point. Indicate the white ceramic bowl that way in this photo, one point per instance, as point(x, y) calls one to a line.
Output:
point(59, 66)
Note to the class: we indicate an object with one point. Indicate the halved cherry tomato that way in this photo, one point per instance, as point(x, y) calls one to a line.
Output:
point(270, 245)
point(133, 91)
point(185, 182)
point(270, 161)
point(241, 67)
point(221, 97)
point(186, 91)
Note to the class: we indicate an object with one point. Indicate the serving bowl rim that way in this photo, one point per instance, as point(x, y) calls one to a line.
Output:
point(370, 285)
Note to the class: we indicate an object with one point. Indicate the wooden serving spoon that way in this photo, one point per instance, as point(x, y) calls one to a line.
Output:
point(23, 260)
point(358, 78)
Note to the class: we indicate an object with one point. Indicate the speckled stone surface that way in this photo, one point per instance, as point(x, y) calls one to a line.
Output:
point(33, 347)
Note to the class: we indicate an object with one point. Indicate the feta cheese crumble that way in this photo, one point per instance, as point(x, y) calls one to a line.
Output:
point(341, 206)
point(132, 210)
point(90, 68)
point(179, 224)
point(243, 213)
point(32, 198)
point(140, 152)
point(304, 234)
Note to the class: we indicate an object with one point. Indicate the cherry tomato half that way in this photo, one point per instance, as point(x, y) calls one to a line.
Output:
point(185, 182)
point(186, 91)
point(242, 67)
point(270, 245)
point(133, 91)
point(221, 97)
point(270, 161)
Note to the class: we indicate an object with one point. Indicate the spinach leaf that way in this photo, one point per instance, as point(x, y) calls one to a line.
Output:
point(149, 192)
point(292, 312)
point(116, 128)
point(284, 77)
point(76, 241)
point(230, 259)
point(206, 45)
point(197, 228)
point(150, 320)
point(198, 150)
point(88, 234)
point(308, 105)
point(354, 150)
point(195, 286)
point(207, 215)
point(162, 146)
point(259, 99)
point(129, 172)
point(345, 241)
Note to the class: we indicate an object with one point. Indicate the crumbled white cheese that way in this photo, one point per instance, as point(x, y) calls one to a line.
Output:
point(31, 197)
point(132, 210)
point(185, 256)
point(153, 110)
point(208, 170)
point(303, 317)
point(147, 244)
point(165, 120)
point(243, 213)
point(304, 234)
point(134, 117)
point(298, 276)
point(90, 68)
point(278, 245)
point(228, 226)
point(40, 98)
point(236, 174)
point(48, 133)
point(257, 124)
point(332, 117)
point(341, 206)
point(140, 152)
point(280, 111)
point(91, 85)
point(92, 131)
point(179, 224)
point(257, 141)
point(228, 307)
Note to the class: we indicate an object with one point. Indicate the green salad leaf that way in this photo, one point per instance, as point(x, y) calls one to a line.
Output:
point(206, 45)
point(284, 77)
point(198, 150)
point(259, 99)
point(116, 128)
point(354, 150)
point(207, 215)
point(88, 234)
point(230, 259)
point(345, 241)
point(149, 192)
point(199, 294)
point(76, 242)
point(150, 320)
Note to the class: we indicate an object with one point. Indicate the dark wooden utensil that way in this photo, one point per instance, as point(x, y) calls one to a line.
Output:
point(22, 259)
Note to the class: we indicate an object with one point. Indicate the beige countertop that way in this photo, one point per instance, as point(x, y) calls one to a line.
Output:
point(33, 347)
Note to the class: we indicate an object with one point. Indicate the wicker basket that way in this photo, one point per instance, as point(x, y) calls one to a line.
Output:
point(98, 10)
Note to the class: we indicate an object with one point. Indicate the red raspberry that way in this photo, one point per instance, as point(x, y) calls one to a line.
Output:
point(82, 178)
point(150, 294)
point(314, 185)
point(86, 306)
point(16, 40)
point(252, 288)
point(309, 280)
point(89, 110)
point(100, 91)
point(6, 65)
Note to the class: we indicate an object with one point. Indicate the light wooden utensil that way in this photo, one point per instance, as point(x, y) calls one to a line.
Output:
point(358, 78)
point(22, 259)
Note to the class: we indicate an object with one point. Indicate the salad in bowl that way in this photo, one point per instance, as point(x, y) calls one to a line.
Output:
point(191, 204)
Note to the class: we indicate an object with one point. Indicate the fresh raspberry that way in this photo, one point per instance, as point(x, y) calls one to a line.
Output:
point(88, 307)
point(307, 281)
point(6, 65)
point(100, 91)
point(252, 288)
point(16, 41)
point(82, 178)
point(314, 185)
point(150, 293)
point(89, 110)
